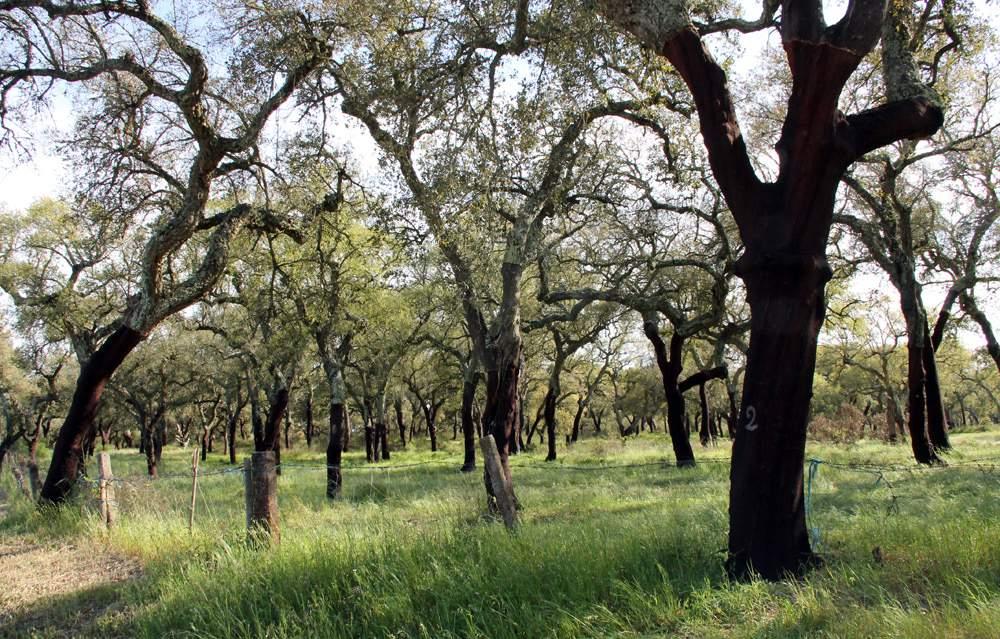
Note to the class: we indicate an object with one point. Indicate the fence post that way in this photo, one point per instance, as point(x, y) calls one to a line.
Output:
point(106, 486)
point(194, 489)
point(264, 522)
point(248, 488)
point(501, 488)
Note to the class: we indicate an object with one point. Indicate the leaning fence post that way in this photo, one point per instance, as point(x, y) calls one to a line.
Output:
point(194, 489)
point(264, 523)
point(106, 486)
point(501, 488)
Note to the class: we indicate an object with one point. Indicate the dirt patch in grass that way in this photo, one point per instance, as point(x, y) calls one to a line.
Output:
point(59, 590)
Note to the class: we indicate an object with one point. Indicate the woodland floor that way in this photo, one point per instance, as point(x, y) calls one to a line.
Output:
point(614, 542)
point(58, 589)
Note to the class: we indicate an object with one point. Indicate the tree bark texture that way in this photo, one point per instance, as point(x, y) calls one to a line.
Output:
point(468, 422)
point(67, 454)
point(334, 451)
point(670, 371)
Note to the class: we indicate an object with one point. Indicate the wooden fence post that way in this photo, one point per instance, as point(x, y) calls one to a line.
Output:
point(194, 489)
point(106, 486)
point(501, 488)
point(264, 521)
point(248, 488)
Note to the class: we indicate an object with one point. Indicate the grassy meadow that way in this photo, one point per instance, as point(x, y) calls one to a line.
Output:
point(613, 543)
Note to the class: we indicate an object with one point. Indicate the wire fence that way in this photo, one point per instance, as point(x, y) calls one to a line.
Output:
point(219, 492)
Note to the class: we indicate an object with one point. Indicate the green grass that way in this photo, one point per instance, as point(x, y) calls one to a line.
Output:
point(616, 552)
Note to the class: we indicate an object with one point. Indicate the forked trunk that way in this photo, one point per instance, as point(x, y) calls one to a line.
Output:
point(670, 371)
point(67, 454)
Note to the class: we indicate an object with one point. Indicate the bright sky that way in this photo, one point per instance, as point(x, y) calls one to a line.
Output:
point(44, 174)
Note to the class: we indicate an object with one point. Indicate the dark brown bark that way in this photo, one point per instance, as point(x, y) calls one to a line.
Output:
point(501, 414)
point(398, 406)
point(309, 432)
point(596, 417)
point(785, 227)
point(94, 375)
point(231, 436)
point(468, 422)
point(937, 423)
point(383, 436)
point(581, 405)
point(550, 422)
point(670, 371)
point(334, 451)
point(264, 520)
point(767, 519)
point(370, 444)
point(923, 450)
point(733, 419)
point(704, 433)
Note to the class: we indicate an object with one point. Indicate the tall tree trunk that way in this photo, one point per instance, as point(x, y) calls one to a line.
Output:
point(430, 416)
point(398, 406)
point(334, 450)
point(704, 432)
point(468, 421)
point(94, 375)
point(923, 450)
point(231, 436)
point(550, 421)
point(767, 532)
point(383, 435)
point(581, 406)
point(309, 420)
point(937, 423)
point(670, 371)
point(733, 419)
point(370, 444)
point(501, 414)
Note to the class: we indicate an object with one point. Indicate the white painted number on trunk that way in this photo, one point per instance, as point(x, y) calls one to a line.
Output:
point(752, 416)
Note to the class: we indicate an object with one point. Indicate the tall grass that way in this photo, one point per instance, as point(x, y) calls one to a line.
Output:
point(616, 551)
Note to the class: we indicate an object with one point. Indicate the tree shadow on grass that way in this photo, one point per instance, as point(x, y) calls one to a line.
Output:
point(95, 612)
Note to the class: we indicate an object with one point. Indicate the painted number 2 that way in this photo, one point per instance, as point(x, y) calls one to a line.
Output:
point(752, 424)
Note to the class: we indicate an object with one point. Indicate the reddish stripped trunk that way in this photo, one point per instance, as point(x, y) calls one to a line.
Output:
point(67, 454)
point(767, 532)
point(501, 412)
